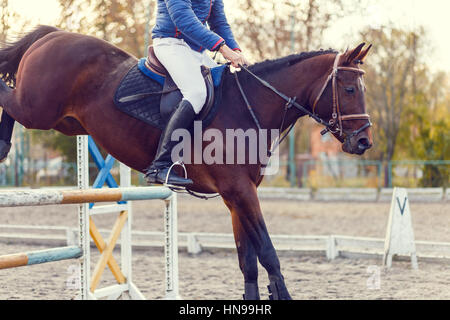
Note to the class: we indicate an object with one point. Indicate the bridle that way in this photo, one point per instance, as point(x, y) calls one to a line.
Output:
point(334, 125)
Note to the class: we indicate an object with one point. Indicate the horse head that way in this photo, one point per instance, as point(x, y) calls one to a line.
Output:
point(340, 102)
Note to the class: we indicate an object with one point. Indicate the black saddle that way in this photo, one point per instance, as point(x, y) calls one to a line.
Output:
point(148, 94)
point(171, 95)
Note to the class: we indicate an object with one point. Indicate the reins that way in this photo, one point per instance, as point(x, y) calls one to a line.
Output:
point(255, 119)
point(291, 102)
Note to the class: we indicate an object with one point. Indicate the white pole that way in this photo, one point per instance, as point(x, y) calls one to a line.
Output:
point(125, 181)
point(83, 216)
point(171, 248)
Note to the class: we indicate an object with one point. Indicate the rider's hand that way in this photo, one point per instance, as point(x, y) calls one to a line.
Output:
point(236, 58)
point(246, 63)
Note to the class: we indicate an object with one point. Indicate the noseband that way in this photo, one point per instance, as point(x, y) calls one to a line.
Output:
point(335, 123)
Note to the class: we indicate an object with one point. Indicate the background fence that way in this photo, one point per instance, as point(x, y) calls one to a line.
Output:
point(353, 173)
point(346, 173)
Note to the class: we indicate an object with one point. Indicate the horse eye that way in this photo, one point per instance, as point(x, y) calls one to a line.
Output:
point(350, 90)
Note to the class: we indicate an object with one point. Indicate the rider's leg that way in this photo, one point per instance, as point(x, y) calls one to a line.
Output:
point(6, 130)
point(183, 64)
point(207, 61)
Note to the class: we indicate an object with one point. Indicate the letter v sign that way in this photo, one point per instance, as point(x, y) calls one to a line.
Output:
point(402, 208)
point(399, 234)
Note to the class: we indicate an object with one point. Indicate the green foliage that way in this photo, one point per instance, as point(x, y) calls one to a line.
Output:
point(409, 105)
point(391, 69)
point(57, 141)
point(429, 139)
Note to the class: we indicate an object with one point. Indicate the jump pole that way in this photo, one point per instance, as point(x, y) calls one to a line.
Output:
point(30, 198)
point(84, 197)
point(38, 257)
point(87, 229)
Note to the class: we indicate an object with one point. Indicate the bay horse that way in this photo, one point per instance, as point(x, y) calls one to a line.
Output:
point(66, 81)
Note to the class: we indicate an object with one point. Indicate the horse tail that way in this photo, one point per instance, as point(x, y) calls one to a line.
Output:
point(11, 53)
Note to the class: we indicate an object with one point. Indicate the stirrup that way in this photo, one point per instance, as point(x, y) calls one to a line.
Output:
point(166, 183)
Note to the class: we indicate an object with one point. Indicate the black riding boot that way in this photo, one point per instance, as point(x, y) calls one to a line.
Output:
point(182, 118)
point(6, 130)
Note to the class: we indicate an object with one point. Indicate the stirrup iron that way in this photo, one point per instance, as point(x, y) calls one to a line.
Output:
point(178, 163)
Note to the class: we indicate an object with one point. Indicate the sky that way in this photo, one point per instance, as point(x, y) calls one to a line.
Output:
point(431, 14)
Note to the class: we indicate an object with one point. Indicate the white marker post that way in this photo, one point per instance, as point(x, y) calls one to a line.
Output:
point(399, 234)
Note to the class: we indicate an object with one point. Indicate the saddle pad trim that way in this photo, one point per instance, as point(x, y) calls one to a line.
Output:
point(149, 73)
point(216, 73)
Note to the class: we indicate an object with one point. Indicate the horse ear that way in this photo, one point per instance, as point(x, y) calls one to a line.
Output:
point(353, 54)
point(364, 53)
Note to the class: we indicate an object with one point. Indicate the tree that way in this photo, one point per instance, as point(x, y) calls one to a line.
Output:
point(4, 20)
point(264, 27)
point(390, 74)
point(426, 134)
point(9, 18)
point(120, 22)
point(409, 104)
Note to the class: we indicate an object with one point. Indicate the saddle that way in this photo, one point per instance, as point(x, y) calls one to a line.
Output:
point(139, 93)
point(171, 95)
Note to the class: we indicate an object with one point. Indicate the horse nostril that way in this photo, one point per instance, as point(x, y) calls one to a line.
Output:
point(364, 143)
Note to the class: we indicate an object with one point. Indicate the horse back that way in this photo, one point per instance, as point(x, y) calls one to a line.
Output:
point(64, 70)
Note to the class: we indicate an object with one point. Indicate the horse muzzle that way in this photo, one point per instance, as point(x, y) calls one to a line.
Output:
point(356, 145)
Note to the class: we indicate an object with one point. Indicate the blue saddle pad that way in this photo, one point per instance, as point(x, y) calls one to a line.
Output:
point(141, 80)
point(216, 73)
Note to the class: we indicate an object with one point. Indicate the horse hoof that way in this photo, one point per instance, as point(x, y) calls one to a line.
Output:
point(4, 150)
point(278, 291)
point(251, 291)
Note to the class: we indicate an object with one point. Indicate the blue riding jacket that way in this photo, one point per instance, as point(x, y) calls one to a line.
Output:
point(187, 19)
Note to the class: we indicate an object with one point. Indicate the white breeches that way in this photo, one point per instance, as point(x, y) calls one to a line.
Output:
point(183, 65)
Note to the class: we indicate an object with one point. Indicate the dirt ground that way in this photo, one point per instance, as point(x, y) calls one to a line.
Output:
point(307, 276)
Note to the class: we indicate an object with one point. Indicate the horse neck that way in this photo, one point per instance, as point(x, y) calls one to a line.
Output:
point(299, 81)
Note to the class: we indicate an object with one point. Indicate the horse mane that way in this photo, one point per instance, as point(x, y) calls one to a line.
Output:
point(268, 66)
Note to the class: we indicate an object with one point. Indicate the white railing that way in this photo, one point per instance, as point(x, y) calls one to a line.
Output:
point(332, 246)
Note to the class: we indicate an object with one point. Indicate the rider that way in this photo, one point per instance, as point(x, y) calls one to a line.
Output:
point(180, 39)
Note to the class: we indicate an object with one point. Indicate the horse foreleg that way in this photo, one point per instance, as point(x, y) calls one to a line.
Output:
point(248, 261)
point(253, 238)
